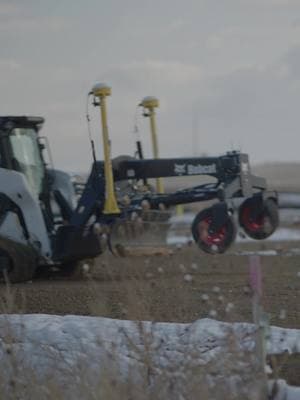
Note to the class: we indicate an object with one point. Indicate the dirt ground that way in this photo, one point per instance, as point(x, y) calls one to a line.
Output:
point(183, 287)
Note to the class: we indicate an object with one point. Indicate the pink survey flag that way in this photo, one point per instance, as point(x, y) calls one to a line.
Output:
point(255, 274)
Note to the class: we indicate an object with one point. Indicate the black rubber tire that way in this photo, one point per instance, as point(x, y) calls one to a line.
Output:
point(260, 226)
point(22, 261)
point(216, 243)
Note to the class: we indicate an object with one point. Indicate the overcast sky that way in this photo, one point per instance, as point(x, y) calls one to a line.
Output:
point(226, 72)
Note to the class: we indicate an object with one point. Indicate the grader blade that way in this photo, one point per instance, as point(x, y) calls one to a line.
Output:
point(144, 230)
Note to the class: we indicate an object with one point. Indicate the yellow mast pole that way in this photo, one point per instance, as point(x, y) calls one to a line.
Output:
point(150, 103)
point(101, 91)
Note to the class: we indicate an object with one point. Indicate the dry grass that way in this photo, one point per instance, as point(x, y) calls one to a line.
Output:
point(233, 374)
point(226, 376)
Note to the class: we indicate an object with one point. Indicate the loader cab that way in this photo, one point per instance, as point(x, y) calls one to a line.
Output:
point(20, 150)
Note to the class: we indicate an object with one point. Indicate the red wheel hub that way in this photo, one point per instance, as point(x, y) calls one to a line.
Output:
point(215, 238)
point(253, 224)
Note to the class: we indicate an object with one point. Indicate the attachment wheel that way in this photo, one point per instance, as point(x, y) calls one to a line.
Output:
point(259, 218)
point(209, 239)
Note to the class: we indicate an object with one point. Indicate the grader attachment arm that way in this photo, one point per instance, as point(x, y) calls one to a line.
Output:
point(232, 172)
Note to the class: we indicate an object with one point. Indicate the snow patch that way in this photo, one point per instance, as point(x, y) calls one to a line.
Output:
point(49, 343)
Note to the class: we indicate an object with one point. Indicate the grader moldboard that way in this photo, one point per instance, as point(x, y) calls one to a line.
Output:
point(41, 226)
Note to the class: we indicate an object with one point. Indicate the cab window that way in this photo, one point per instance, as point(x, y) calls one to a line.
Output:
point(27, 158)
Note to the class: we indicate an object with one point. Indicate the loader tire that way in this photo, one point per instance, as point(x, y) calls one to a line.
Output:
point(19, 261)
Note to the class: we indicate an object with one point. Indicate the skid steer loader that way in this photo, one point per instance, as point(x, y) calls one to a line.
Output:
point(35, 205)
point(43, 223)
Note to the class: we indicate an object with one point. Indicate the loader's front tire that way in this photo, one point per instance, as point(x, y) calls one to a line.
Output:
point(18, 262)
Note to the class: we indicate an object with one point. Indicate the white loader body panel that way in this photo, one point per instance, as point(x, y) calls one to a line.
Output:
point(15, 186)
point(11, 228)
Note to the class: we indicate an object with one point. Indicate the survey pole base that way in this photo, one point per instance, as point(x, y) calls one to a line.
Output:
point(111, 207)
